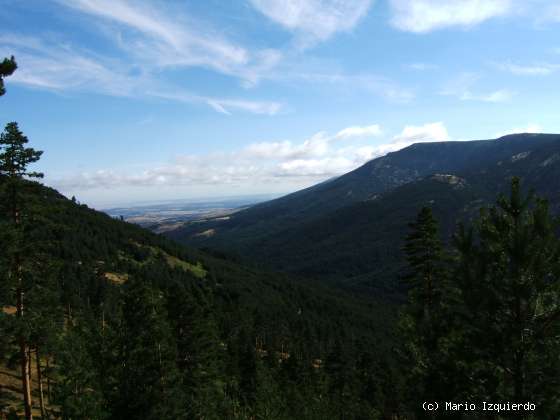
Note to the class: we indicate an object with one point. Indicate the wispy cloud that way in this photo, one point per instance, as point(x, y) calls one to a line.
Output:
point(360, 131)
point(539, 69)
point(156, 37)
point(374, 84)
point(60, 67)
point(430, 132)
point(428, 15)
point(422, 66)
point(462, 88)
point(221, 105)
point(314, 20)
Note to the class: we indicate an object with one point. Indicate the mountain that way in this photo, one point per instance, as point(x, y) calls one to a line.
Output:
point(122, 323)
point(349, 230)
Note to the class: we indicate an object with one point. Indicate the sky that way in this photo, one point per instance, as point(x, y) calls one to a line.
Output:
point(135, 101)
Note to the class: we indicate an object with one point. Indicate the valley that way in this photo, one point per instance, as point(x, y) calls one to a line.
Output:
point(349, 231)
point(279, 210)
point(162, 217)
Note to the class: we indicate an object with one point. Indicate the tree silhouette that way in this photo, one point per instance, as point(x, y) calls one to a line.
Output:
point(7, 68)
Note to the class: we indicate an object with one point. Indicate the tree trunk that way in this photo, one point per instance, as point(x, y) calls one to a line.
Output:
point(29, 368)
point(48, 381)
point(17, 270)
point(40, 383)
point(26, 384)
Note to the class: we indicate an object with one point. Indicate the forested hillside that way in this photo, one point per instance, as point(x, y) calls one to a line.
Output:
point(349, 230)
point(126, 324)
point(120, 323)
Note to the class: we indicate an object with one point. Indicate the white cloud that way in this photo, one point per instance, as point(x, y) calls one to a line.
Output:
point(62, 68)
point(322, 168)
point(430, 132)
point(360, 131)
point(316, 146)
point(263, 165)
point(427, 15)
point(151, 40)
point(314, 20)
point(541, 69)
point(529, 128)
point(461, 87)
point(502, 95)
point(168, 38)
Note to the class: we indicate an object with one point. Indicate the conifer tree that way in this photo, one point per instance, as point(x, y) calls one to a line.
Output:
point(423, 321)
point(510, 284)
point(14, 161)
point(150, 384)
point(424, 254)
point(200, 353)
point(77, 390)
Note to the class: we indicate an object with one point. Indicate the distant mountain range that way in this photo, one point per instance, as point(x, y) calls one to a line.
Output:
point(349, 230)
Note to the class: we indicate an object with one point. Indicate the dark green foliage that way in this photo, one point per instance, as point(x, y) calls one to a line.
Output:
point(200, 353)
point(7, 68)
point(509, 278)
point(237, 343)
point(491, 333)
point(424, 254)
point(78, 391)
point(149, 384)
point(22, 253)
point(424, 320)
point(14, 156)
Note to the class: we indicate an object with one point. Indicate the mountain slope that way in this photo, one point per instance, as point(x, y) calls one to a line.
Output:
point(89, 243)
point(350, 230)
point(97, 261)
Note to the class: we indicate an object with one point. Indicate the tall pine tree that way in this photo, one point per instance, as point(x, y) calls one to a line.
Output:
point(509, 277)
point(15, 158)
point(423, 322)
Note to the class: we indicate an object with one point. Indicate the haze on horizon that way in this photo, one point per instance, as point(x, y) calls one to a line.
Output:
point(149, 100)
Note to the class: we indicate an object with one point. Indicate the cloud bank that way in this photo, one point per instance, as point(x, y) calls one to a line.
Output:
point(291, 164)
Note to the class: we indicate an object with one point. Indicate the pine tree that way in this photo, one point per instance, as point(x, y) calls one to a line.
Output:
point(200, 352)
point(424, 322)
point(424, 254)
point(77, 389)
point(510, 283)
point(7, 68)
point(14, 161)
point(150, 384)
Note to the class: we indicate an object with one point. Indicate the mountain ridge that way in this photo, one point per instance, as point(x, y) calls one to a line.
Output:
point(293, 233)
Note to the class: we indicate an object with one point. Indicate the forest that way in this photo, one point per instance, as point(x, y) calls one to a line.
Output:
point(104, 320)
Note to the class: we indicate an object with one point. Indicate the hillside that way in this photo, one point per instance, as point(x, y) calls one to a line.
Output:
point(94, 262)
point(349, 230)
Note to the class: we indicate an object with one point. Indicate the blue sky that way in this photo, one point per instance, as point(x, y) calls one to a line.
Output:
point(155, 100)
